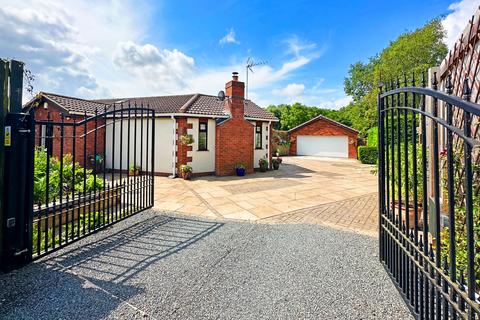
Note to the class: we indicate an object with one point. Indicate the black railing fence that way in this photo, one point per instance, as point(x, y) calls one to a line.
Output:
point(89, 171)
point(429, 201)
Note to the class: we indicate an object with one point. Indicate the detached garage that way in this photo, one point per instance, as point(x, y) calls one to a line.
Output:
point(323, 137)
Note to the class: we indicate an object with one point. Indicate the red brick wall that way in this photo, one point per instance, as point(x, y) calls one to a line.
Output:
point(270, 140)
point(182, 149)
point(233, 143)
point(69, 140)
point(236, 91)
point(323, 127)
point(234, 137)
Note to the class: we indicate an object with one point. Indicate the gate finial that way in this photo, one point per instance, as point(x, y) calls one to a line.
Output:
point(448, 85)
point(466, 90)
point(434, 81)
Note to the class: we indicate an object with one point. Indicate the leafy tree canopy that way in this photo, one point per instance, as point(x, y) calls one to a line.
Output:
point(412, 52)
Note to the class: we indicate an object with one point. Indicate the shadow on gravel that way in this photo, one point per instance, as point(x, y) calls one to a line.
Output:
point(90, 275)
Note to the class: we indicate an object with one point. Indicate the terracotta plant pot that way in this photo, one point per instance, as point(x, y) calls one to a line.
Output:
point(185, 175)
point(410, 212)
point(134, 173)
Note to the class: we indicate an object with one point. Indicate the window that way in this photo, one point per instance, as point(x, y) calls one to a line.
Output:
point(202, 136)
point(258, 136)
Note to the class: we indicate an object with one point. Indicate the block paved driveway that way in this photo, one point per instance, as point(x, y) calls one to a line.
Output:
point(158, 265)
point(340, 193)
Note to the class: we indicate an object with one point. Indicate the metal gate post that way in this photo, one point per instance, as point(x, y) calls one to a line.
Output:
point(18, 192)
point(16, 170)
point(381, 181)
point(3, 112)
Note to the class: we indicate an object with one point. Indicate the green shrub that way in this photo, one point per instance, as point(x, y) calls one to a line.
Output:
point(71, 180)
point(368, 155)
point(372, 137)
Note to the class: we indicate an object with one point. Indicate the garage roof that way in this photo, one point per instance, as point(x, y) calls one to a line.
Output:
point(320, 117)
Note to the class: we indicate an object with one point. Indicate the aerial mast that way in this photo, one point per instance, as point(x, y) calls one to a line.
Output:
point(249, 67)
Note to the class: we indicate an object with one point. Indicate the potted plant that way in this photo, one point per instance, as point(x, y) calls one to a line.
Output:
point(240, 169)
point(186, 139)
point(134, 170)
point(185, 171)
point(263, 163)
point(96, 162)
point(410, 210)
point(276, 163)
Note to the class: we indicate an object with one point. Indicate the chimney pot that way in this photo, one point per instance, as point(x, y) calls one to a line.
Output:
point(235, 76)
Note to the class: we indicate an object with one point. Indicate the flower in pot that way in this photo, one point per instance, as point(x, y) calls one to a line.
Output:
point(186, 139)
point(263, 163)
point(240, 169)
point(134, 170)
point(185, 171)
point(276, 163)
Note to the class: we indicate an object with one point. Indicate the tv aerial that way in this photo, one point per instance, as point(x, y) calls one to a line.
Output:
point(249, 67)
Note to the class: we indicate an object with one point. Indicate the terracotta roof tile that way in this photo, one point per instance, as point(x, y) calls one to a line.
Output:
point(75, 105)
point(199, 104)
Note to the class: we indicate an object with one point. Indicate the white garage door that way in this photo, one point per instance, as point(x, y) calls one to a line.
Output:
point(324, 146)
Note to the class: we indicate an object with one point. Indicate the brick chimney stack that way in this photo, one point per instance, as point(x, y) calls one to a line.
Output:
point(235, 92)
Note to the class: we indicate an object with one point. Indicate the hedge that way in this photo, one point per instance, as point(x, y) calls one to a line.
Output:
point(368, 155)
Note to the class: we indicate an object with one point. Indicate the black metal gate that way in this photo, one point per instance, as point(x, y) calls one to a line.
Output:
point(429, 197)
point(79, 173)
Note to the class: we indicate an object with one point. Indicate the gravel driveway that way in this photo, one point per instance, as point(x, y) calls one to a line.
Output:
point(172, 267)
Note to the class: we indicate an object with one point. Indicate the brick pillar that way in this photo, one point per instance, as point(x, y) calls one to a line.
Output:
point(182, 149)
point(270, 140)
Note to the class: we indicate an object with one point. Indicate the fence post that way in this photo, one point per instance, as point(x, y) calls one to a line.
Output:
point(4, 105)
point(381, 186)
point(16, 160)
point(432, 215)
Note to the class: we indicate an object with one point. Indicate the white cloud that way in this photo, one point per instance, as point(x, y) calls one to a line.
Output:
point(291, 90)
point(67, 45)
point(334, 103)
point(163, 70)
point(229, 38)
point(456, 21)
point(74, 50)
point(298, 47)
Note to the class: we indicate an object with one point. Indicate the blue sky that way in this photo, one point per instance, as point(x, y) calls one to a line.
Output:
point(131, 48)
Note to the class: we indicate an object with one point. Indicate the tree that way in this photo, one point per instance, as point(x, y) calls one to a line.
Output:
point(412, 52)
point(291, 116)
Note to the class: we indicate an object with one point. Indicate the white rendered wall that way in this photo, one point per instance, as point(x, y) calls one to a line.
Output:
point(163, 145)
point(202, 161)
point(260, 153)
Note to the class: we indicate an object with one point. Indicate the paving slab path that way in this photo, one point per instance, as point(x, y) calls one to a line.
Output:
point(302, 185)
point(160, 265)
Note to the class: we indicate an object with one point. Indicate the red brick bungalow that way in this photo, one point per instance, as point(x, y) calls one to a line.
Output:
point(322, 136)
point(224, 132)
